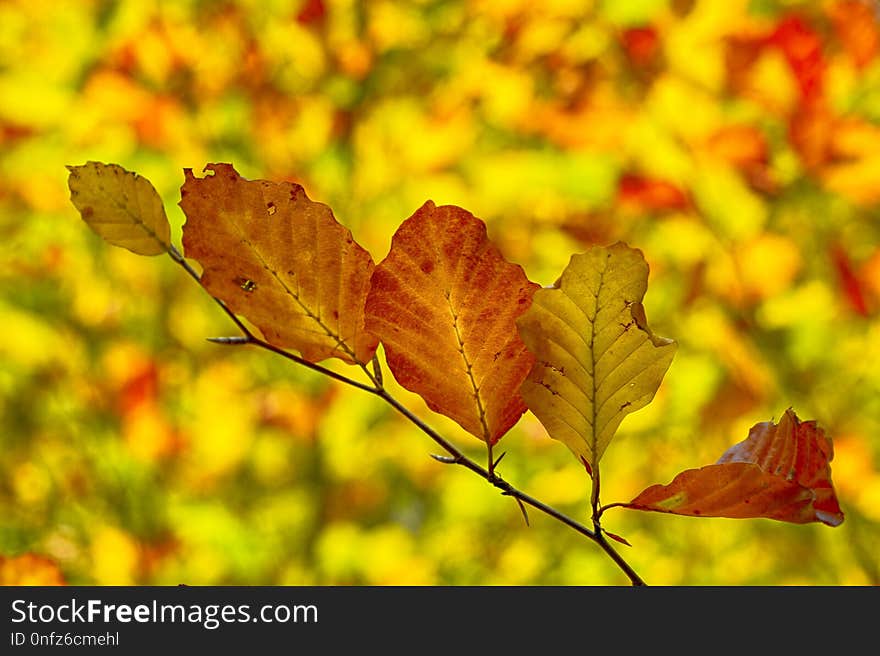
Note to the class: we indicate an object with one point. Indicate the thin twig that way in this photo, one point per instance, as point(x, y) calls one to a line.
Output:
point(507, 489)
point(610, 505)
point(249, 338)
point(455, 456)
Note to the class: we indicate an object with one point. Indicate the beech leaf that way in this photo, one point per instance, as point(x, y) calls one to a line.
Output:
point(121, 206)
point(596, 359)
point(444, 304)
point(281, 260)
point(780, 472)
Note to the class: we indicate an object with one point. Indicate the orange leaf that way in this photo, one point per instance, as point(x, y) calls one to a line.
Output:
point(281, 260)
point(858, 29)
point(779, 472)
point(648, 194)
point(802, 47)
point(29, 569)
point(743, 146)
point(811, 131)
point(444, 303)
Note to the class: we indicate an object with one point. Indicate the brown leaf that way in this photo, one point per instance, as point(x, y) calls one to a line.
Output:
point(444, 303)
point(281, 260)
point(779, 472)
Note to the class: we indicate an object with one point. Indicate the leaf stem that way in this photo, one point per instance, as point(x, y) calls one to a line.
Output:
point(455, 457)
point(490, 462)
point(594, 498)
point(610, 505)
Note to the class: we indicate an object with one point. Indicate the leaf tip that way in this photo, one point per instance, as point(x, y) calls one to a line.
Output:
point(587, 466)
point(830, 518)
point(616, 537)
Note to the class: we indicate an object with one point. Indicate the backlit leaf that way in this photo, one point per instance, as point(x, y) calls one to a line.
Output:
point(121, 206)
point(281, 260)
point(444, 303)
point(779, 472)
point(597, 360)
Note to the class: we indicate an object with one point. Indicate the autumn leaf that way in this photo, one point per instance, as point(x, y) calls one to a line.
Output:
point(743, 146)
point(642, 46)
point(121, 206)
point(281, 260)
point(801, 45)
point(597, 360)
point(779, 472)
point(858, 30)
point(29, 569)
point(649, 195)
point(444, 304)
point(850, 283)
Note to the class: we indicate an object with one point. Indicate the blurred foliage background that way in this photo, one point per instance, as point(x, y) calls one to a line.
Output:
point(737, 143)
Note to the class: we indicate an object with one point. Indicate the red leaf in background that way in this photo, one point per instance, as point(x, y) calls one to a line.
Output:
point(802, 48)
point(650, 194)
point(313, 11)
point(781, 471)
point(850, 284)
point(857, 29)
point(11, 133)
point(641, 44)
point(140, 388)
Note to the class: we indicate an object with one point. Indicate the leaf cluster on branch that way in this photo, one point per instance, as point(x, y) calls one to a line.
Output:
point(461, 327)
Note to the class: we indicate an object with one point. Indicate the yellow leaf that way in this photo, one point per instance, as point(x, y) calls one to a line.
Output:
point(596, 358)
point(121, 206)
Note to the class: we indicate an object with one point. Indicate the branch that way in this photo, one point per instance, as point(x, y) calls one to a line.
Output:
point(458, 458)
point(249, 338)
point(455, 456)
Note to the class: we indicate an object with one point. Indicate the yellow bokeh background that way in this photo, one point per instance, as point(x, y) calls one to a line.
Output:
point(736, 143)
